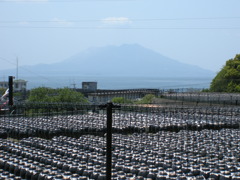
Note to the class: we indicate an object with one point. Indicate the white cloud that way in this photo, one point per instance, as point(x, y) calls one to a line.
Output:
point(61, 22)
point(116, 20)
point(23, 23)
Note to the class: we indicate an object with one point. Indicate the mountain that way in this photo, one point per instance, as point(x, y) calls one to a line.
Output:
point(124, 60)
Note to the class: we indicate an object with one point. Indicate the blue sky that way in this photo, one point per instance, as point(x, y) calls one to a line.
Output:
point(200, 32)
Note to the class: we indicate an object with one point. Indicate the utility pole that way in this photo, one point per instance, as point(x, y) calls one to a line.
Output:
point(109, 141)
point(109, 107)
point(10, 86)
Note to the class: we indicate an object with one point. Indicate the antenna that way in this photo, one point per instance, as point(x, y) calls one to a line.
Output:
point(74, 85)
point(17, 70)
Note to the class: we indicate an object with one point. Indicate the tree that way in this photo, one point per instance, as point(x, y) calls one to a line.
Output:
point(41, 94)
point(121, 100)
point(68, 95)
point(228, 79)
point(2, 91)
point(49, 95)
point(147, 99)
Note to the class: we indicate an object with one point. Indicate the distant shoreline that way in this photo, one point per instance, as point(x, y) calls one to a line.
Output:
point(118, 82)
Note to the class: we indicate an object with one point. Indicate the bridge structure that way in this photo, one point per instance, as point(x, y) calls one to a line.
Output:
point(104, 96)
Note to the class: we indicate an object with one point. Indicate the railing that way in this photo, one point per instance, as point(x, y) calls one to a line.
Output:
point(200, 97)
point(67, 141)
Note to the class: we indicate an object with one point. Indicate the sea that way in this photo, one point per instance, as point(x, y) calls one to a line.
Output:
point(113, 83)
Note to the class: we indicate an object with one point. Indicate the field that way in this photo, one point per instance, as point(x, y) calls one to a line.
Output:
point(155, 142)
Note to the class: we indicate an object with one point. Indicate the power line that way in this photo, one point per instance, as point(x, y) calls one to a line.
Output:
point(119, 20)
point(4, 59)
point(56, 1)
point(117, 23)
point(40, 76)
point(122, 28)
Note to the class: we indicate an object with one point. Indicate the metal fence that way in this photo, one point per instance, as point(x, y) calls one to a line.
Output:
point(73, 141)
point(200, 97)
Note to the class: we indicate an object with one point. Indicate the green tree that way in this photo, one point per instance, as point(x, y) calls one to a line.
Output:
point(147, 99)
point(41, 94)
point(121, 100)
point(228, 79)
point(2, 91)
point(49, 95)
point(68, 95)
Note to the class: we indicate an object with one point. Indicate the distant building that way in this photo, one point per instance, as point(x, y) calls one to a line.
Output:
point(89, 86)
point(18, 85)
point(4, 84)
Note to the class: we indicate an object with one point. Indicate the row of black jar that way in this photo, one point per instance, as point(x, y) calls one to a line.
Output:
point(75, 125)
point(204, 154)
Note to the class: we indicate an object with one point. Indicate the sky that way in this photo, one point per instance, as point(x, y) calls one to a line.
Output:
point(205, 33)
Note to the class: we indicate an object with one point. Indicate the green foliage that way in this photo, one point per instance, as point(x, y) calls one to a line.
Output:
point(41, 94)
point(228, 79)
point(48, 95)
point(2, 91)
point(147, 99)
point(121, 100)
point(205, 90)
point(67, 95)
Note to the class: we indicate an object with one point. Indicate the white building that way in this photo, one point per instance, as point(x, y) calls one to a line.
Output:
point(18, 85)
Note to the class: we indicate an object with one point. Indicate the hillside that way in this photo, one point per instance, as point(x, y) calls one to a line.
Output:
point(124, 60)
